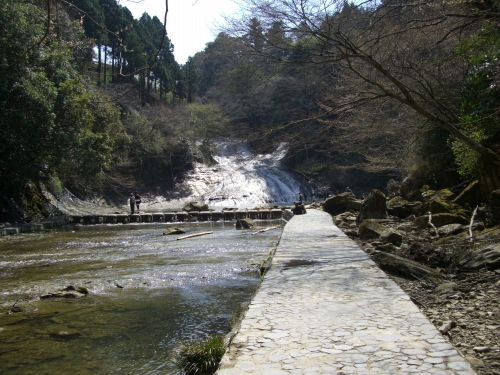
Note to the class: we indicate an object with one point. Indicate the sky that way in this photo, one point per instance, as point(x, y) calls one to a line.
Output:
point(190, 23)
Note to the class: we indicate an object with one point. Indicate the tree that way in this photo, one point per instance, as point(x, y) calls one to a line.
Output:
point(49, 118)
point(400, 53)
point(191, 77)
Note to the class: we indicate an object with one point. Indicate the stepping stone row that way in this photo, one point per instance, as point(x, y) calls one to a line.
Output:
point(172, 217)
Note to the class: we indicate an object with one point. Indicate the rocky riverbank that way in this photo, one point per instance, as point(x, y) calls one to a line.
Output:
point(447, 263)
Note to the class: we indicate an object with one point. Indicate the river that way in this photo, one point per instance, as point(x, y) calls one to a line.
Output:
point(147, 292)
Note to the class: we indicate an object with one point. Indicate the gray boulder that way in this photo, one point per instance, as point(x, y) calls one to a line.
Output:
point(488, 257)
point(373, 207)
point(440, 219)
point(450, 229)
point(245, 224)
point(401, 207)
point(391, 236)
point(402, 266)
point(195, 206)
point(353, 204)
point(338, 203)
point(370, 229)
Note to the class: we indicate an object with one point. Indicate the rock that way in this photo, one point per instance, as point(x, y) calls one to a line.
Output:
point(337, 204)
point(481, 349)
point(170, 231)
point(495, 198)
point(401, 266)
point(391, 236)
point(195, 206)
point(470, 195)
point(475, 362)
point(440, 219)
point(353, 204)
point(450, 229)
point(447, 326)
point(373, 207)
point(245, 224)
point(72, 294)
point(445, 288)
point(79, 289)
point(488, 257)
point(443, 194)
point(64, 334)
point(401, 207)
point(370, 229)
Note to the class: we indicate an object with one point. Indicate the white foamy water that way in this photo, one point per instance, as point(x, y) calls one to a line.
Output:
point(244, 179)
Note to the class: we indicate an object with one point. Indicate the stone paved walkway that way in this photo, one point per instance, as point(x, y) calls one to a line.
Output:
point(325, 308)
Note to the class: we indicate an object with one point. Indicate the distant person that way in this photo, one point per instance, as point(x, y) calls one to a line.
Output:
point(313, 197)
point(132, 203)
point(300, 198)
point(298, 209)
point(336, 192)
point(137, 201)
point(348, 190)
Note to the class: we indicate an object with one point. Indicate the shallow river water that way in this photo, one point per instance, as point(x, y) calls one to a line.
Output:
point(147, 292)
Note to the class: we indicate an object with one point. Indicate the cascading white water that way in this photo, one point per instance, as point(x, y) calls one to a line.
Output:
point(243, 179)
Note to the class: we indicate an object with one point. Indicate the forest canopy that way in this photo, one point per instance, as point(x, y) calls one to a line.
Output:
point(93, 99)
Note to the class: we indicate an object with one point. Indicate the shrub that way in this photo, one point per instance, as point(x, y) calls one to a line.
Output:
point(200, 357)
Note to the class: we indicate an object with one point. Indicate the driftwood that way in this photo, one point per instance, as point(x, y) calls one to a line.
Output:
point(266, 229)
point(193, 235)
point(430, 223)
point(472, 222)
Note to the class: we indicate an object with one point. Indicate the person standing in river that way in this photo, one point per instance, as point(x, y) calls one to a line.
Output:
point(132, 203)
point(137, 201)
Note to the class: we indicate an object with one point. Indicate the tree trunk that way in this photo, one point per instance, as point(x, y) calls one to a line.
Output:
point(105, 63)
point(488, 174)
point(99, 62)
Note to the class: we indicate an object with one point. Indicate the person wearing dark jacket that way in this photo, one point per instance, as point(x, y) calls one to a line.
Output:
point(137, 200)
point(132, 203)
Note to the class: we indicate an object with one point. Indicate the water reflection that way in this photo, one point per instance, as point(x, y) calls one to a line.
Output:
point(172, 290)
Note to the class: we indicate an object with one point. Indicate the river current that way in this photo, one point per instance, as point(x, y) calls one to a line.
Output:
point(147, 293)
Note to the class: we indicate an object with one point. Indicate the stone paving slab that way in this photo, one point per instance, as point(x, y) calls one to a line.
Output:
point(324, 307)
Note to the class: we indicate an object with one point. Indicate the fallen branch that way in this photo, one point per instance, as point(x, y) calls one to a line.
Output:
point(472, 222)
point(266, 229)
point(430, 223)
point(193, 235)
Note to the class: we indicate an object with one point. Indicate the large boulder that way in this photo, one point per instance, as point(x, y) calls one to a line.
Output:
point(353, 204)
point(391, 236)
point(488, 257)
point(195, 206)
point(373, 207)
point(245, 224)
point(471, 195)
point(401, 266)
point(370, 229)
point(440, 219)
point(401, 208)
point(337, 204)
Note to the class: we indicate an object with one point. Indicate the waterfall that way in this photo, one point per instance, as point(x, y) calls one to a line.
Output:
point(243, 179)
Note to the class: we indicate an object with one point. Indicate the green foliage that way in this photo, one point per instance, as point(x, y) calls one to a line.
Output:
point(480, 94)
point(54, 185)
point(53, 123)
point(200, 357)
